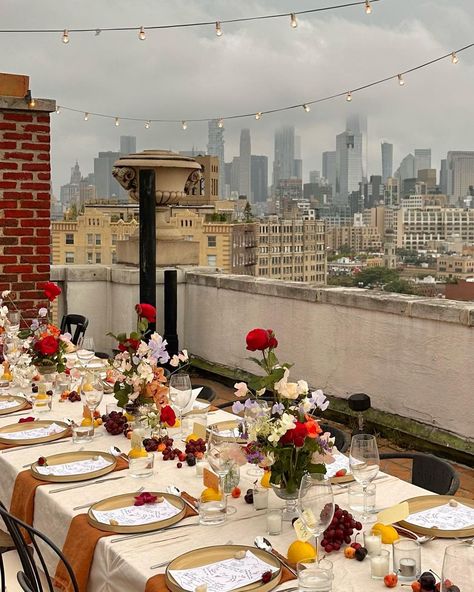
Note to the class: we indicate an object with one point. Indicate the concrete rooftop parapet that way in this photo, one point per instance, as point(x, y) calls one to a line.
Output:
point(20, 104)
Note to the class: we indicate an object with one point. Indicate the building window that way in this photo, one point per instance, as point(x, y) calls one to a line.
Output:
point(114, 239)
point(69, 239)
point(90, 239)
point(98, 257)
point(212, 241)
point(89, 257)
point(212, 260)
point(97, 239)
point(69, 257)
point(114, 257)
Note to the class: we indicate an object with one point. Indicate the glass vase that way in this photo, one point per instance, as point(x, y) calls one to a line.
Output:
point(291, 501)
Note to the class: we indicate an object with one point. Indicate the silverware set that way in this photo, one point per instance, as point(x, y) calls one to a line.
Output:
point(17, 448)
point(78, 486)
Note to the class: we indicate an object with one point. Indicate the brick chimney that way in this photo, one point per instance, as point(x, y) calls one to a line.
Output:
point(25, 192)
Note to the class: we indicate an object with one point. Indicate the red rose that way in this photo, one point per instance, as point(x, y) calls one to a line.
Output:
point(295, 436)
point(272, 341)
point(47, 346)
point(51, 290)
point(258, 339)
point(168, 416)
point(146, 311)
point(129, 344)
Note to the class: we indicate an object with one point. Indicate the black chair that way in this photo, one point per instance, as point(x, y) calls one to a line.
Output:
point(341, 439)
point(31, 557)
point(74, 324)
point(6, 544)
point(429, 472)
point(207, 393)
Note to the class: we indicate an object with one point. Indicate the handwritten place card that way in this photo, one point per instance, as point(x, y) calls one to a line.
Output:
point(223, 576)
point(340, 462)
point(54, 428)
point(199, 430)
point(132, 515)
point(8, 404)
point(444, 517)
point(75, 468)
point(210, 479)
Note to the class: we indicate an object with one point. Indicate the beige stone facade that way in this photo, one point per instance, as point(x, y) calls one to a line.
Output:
point(356, 238)
point(455, 266)
point(292, 250)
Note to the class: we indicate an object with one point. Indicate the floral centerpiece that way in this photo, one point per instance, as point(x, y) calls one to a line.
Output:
point(289, 441)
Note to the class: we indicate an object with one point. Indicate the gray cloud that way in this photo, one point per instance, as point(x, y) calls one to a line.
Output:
point(191, 73)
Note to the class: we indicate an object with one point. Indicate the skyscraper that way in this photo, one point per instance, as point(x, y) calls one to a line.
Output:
point(284, 157)
point(443, 176)
point(314, 177)
point(215, 147)
point(329, 169)
point(128, 145)
point(357, 123)
point(349, 171)
point(106, 186)
point(245, 164)
point(387, 161)
point(259, 178)
point(422, 159)
point(460, 174)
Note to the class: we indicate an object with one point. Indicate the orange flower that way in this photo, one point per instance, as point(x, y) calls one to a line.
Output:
point(312, 427)
point(53, 330)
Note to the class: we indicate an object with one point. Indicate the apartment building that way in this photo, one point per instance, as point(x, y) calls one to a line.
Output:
point(455, 266)
point(356, 238)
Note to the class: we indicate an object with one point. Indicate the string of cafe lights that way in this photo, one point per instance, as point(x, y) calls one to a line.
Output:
point(218, 24)
point(453, 56)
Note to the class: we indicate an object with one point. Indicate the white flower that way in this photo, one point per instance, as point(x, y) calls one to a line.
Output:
point(302, 387)
point(319, 399)
point(260, 392)
point(241, 389)
point(6, 293)
point(183, 356)
point(288, 390)
point(307, 405)
point(174, 361)
point(42, 312)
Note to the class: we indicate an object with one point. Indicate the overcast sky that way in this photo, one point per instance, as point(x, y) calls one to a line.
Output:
point(187, 73)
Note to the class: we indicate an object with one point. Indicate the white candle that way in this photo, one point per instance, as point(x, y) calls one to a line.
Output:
point(373, 544)
point(274, 519)
point(407, 567)
point(380, 564)
point(260, 499)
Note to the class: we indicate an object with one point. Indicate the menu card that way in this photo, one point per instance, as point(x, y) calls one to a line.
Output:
point(223, 576)
point(132, 515)
point(445, 517)
point(54, 428)
point(340, 462)
point(79, 467)
point(7, 404)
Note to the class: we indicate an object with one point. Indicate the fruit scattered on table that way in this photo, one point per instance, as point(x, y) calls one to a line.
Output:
point(34, 388)
point(97, 422)
point(388, 533)
point(191, 437)
point(210, 495)
point(416, 586)
point(427, 583)
point(87, 421)
point(195, 448)
point(390, 580)
point(115, 423)
point(42, 461)
point(361, 553)
point(340, 473)
point(340, 530)
point(266, 577)
point(26, 419)
point(248, 497)
point(299, 551)
point(265, 480)
point(179, 465)
point(236, 492)
point(137, 453)
point(349, 552)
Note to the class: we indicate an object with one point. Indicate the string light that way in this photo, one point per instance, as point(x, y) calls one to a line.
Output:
point(141, 34)
point(349, 97)
point(65, 36)
point(218, 29)
point(147, 124)
point(30, 100)
point(401, 82)
point(368, 7)
point(258, 115)
point(117, 122)
point(58, 109)
point(307, 108)
point(293, 21)
point(86, 116)
point(184, 125)
point(220, 123)
point(454, 58)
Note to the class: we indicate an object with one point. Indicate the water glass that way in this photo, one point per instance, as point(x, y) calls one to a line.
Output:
point(407, 559)
point(142, 466)
point(356, 497)
point(212, 512)
point(380, 565)
point(180, 392)
point(314, 575)
point(82, 434)
point(260, 498)
point(458, 567)
point(274, 521)
point(85, 350)
point(41, 403)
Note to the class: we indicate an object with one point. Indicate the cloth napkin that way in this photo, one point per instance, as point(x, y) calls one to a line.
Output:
point(79, 549)
point(158, 583)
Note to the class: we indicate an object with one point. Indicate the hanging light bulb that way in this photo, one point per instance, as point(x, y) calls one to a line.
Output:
point(368, 7)
point(184, 124)
point(58, 109)
point(293, 21)
point(349, 97)
point(141, 34)
point(218, 29)
point(401, 82)
point(86, 116)
point(220, 123)
point(65, 36)
point(307, 108)
point(30, 100)
point(147, 124)
point(117, 122)
point(258, 115)
point(454, 58)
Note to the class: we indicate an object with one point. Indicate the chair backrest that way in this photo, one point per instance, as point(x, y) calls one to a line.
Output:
point(341, 439)
point(32, 560)
point(74, 324)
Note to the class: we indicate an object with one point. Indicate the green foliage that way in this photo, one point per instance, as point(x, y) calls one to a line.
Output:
point(341, 280)
point(400, 286)
point(376, 276)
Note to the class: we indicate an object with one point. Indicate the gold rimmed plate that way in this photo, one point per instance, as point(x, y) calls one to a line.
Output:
point(226, 428)
point(208, 555)
point(72, 457)
point(32, 425)
point(20, 403)
point(425, 502)
point(204, 408)
point(127, 499)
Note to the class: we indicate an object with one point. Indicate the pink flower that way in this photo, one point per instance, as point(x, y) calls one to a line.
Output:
point(241, 389)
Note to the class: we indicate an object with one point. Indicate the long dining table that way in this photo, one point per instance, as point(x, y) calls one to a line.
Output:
point(126, 565)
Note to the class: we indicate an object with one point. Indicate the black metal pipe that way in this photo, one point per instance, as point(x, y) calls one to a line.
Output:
point(171, 311)
point(147, 239)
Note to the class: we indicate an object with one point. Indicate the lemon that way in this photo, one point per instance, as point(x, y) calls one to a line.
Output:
point(177, 423)
point(87, 421)
point(87, 386)
point(191, 437)
point(137, 453)
point(299, 551)
point(265, 480)
point(41, 396)
point(210, 495)
point(387, 532)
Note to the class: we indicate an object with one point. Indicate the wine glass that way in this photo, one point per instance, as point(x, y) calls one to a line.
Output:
point(315, 504)
point(221, 454)
point(364, 462)
point(458, 566)
point(92, 393)
point(181, 392)
point(13, 325)
point(254, 415)
point(85, 350)
point(12, 350)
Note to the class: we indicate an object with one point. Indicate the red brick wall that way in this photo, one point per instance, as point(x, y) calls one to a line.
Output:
point(25, 205)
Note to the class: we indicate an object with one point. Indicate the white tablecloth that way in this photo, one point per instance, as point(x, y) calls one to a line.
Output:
point(125, 566)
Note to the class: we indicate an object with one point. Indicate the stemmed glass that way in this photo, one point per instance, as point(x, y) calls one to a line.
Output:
point(181, 392)
point(364, 462)
point(14, 318)
point(221, 451)
point(254, 415)
point(315, 504)
point(12, 350)
point(92, 392)
point(458, 567)
point(85, 350)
